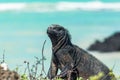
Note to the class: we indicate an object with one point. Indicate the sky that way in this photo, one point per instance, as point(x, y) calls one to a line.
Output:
point(23, 25)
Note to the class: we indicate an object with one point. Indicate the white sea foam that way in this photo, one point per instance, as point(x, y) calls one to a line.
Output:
point(60, 6)
point(11, 6)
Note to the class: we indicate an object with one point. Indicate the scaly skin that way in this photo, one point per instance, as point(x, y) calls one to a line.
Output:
point(70, 59)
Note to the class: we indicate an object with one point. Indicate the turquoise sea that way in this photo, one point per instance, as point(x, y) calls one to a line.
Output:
point(22, 33)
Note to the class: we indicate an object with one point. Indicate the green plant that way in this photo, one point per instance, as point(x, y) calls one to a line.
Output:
point(80, 78)
point(24, 77)
point(97, 77)
point(32, 70)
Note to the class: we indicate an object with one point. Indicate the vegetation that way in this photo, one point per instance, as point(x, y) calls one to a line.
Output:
point(34, 75)
point(32, 72)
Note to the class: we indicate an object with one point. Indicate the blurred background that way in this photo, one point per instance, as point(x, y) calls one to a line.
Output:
point(23, 25)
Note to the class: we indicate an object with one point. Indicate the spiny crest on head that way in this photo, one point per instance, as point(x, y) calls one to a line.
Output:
point(57, 25)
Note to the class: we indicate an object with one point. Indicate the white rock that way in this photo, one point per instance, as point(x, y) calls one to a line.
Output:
point(4, 65)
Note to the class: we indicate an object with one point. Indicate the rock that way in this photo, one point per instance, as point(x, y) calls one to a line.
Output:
point(109, 44)
point(7, 74)
point(4, 66)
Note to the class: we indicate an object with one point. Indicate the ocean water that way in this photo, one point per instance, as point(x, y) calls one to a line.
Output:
point(22, 34)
